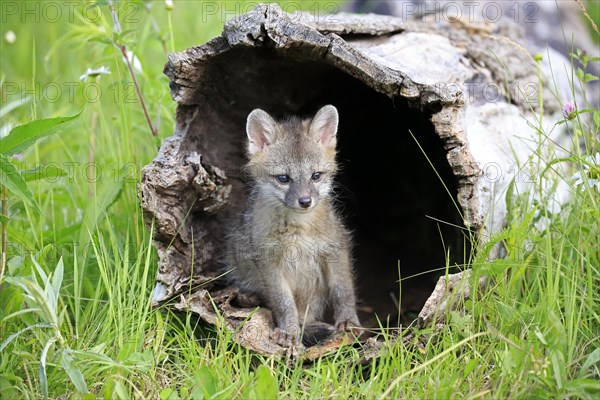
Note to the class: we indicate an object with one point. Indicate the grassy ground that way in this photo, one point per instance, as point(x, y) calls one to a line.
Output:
point(74, 308)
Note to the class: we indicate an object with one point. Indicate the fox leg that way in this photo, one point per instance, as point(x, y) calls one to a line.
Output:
point(280, 300)
point(341, 292)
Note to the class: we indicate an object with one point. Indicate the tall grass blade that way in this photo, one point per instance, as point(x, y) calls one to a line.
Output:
point(96, 210)
point(18, 333)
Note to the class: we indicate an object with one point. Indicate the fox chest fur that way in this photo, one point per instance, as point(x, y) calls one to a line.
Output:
point(300, 246)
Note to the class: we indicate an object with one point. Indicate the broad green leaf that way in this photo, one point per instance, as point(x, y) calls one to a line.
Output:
point(57, 282)
point(23, 136)
point(120, 390)
point(557, 361)
point(266, 385)
point(593, 358)
point(496, 267)
point(21, 312)
point(168, 394)
point(43, 377)
point(58, 275)
point(583, 388)
point(470, 367)
point(108, 388)
point(141, 361)
point(206, 381)
point(40, 270)
point(585, 77)
point(11, 386)
point(74, 373)
point(113, 388)
point(580, 74)
point(44, 172)
point(12, 180)
point(594, 212)
point(197, 393)
point(40, 298)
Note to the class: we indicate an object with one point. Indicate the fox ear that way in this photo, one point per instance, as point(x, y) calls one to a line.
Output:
point(260, 128)
point(324, 125)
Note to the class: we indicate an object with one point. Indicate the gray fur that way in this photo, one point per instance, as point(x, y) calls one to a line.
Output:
point(295, 258)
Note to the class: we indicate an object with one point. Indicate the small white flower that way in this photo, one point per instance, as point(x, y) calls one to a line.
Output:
point(590, 172)
point(169, 4)
point(93, 73)
point(10, 37)
point(542, 224)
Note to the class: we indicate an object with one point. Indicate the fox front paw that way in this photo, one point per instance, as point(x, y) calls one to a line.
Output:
point(348, 325)
point(285, 338)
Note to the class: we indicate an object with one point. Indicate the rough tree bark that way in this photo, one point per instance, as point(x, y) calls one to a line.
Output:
point(476, 93)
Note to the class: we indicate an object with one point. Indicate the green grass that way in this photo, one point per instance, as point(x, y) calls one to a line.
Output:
point(534, 333)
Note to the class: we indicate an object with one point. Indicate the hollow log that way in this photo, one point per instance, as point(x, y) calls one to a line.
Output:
point(433, 120)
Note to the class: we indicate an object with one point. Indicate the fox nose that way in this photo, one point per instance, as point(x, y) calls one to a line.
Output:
point(305, 202)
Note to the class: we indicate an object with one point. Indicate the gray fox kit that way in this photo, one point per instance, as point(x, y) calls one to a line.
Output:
point(291, 249)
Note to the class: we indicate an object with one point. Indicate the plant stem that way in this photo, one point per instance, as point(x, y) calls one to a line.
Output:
point(137, 87)
point(594, 27)
point(123, 48)
point(92, 154)
point(116, 24)
point(169, 20)
point(4, 225)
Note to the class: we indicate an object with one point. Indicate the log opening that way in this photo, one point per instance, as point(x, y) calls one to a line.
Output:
point(387, 189)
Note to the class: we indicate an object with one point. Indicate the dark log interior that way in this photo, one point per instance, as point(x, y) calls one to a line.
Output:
point(388, 192)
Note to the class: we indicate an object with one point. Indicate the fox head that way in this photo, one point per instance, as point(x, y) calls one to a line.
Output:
point(293, 161)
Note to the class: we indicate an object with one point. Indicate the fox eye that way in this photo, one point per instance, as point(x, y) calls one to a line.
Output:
point(316, 176)
point(283, 178)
